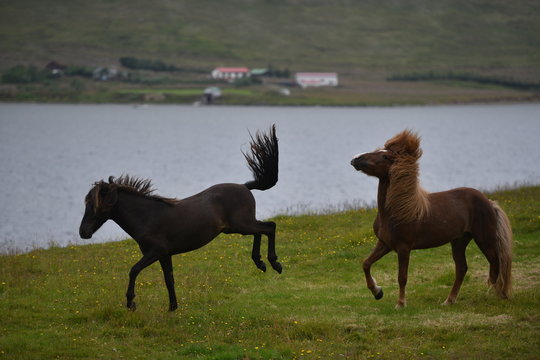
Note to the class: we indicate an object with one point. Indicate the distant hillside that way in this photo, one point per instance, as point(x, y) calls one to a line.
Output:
point(362, 38)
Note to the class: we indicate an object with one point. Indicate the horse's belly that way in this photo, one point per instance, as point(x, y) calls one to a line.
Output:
point(426, 243)
point(438, 235)
point(186, 239)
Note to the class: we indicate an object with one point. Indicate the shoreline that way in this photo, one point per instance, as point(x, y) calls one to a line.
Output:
point(524, 101)
point(365, 93)
point(8, 248)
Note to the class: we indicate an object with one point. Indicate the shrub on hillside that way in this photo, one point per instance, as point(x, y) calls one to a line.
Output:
point(142, 64)
point(78, 71)
point(246, 81)
point(21, 74)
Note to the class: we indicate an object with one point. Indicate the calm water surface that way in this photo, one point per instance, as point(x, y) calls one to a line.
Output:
point(51, 154)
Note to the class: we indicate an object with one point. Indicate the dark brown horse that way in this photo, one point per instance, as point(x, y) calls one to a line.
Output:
point(410, 218)
point(163, 227)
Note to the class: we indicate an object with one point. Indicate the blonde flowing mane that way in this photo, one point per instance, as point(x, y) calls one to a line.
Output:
point(406, 200)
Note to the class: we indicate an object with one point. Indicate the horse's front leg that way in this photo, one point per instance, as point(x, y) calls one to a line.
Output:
point(147, 260)
point(166, 266)
point(403, 261)
point(378, 252)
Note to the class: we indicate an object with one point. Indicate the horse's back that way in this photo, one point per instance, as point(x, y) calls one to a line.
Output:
point(453, 214)
point(470, 198)
point(194, 221)
point(224, 200)
point(234, 194)
point(468, 205)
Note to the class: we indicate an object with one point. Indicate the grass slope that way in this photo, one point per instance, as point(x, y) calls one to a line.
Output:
point(68, 303)
point(366, 42)
point(348, 36)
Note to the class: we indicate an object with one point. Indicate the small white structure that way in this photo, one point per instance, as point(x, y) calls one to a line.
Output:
point(231, 73)
point(211, 93)
point(317, 79)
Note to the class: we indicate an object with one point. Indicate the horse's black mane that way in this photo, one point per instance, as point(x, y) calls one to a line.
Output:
point(136, 185)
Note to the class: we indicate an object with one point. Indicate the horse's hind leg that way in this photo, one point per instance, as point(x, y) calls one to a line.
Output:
point(378, 252)
point(458, 253)
point(258, 228)
point(272, 257)
point(490, 252)
point(166, 266)
point(256, 252)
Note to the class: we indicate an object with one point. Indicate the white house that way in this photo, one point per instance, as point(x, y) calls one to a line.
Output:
point(231, 73)
point(317, 79)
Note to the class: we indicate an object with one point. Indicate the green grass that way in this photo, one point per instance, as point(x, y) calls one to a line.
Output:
point(68, 303)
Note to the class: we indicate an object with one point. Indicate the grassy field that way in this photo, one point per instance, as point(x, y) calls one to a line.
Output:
point(68, 303)
point(349, 93)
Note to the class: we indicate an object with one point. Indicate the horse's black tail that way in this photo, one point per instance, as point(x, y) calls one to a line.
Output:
point(263, 160)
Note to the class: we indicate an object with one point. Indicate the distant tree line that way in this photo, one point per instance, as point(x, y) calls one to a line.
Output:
point(488, 80)
point(143, 64)
point(247, 81)
point(279, 73)
point(21, 74)
point(75, 70)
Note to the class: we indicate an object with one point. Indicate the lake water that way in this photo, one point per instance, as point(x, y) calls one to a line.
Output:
point(51, 154)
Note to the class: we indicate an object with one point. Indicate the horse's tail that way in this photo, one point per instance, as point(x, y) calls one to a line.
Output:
point(263, 160)
point(503, 284)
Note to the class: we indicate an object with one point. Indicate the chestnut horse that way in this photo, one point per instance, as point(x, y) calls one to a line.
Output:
point(163, 227)
point(410, 218)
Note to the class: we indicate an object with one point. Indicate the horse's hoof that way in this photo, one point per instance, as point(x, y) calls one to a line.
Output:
point(379, 295)
point(262, 266)
point(132, 306)
point(400, 305)
point(173, 307)
point(277, 266)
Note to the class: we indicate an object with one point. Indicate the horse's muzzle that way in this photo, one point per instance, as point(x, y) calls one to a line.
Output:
point(358, 163)
point(85, 234)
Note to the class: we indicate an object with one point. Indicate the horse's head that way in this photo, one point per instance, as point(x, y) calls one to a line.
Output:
point(99, 202)
point(376, 163)
point(402, 148)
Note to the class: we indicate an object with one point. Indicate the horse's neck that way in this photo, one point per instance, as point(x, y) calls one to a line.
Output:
point(403, 202)
point(382, 192)
point(133, 213)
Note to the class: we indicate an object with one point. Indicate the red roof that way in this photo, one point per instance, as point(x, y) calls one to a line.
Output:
point(233, 69)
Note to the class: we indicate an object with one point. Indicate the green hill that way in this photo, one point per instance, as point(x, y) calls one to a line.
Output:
point(362, 40)
point(313, 35)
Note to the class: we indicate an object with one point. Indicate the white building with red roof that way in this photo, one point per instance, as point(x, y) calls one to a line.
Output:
point(317, 79)
point(230, 73)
